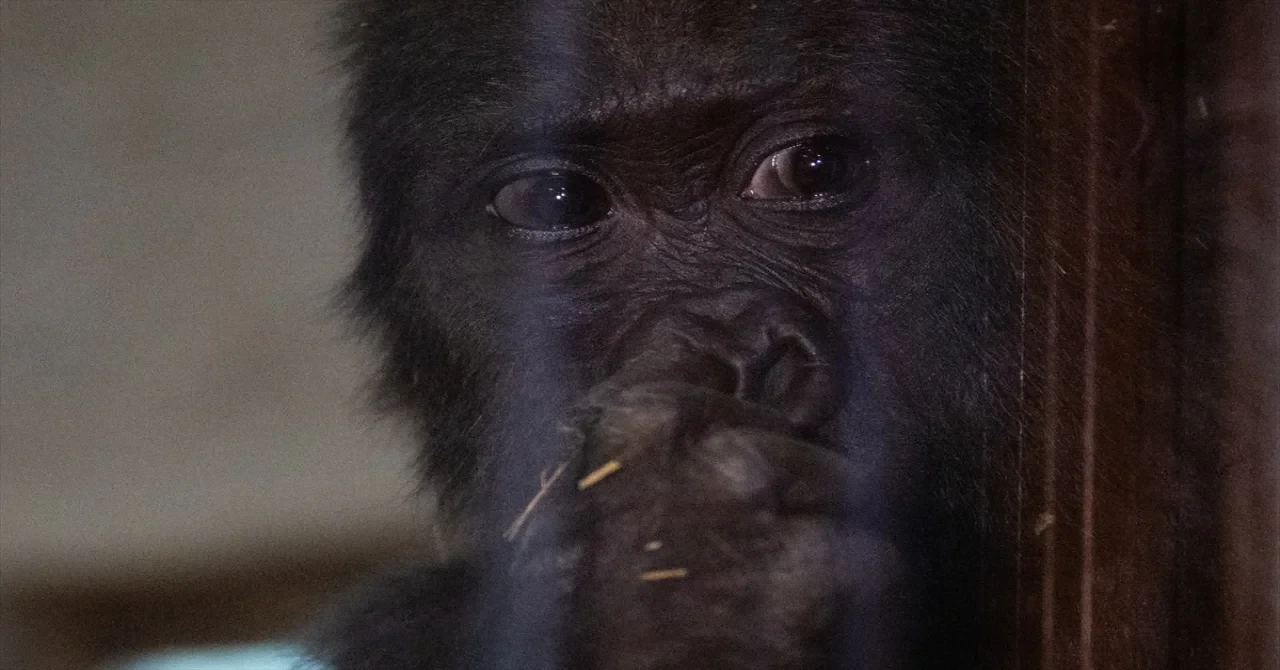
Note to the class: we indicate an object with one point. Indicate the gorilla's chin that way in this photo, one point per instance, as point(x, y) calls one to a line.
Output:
point(691, 492)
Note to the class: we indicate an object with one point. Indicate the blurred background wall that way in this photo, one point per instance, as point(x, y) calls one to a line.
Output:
point(180, 406)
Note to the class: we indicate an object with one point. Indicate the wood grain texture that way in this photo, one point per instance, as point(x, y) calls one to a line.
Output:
point(1148, 462)
point(1099, 464)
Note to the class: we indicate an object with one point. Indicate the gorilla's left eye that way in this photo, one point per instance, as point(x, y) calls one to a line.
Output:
point(817, 168)
point(551, 201)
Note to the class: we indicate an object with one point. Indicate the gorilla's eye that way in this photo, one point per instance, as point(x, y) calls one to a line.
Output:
point(551, 201)
point(817, 168)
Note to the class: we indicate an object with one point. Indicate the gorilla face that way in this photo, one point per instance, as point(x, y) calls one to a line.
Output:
point(738, 267)
point(798, 192)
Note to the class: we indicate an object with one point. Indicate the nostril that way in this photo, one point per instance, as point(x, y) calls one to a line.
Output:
point(785, 367)
point(790, 376)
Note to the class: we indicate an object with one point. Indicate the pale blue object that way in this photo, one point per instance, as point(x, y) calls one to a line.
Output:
point(255, 657)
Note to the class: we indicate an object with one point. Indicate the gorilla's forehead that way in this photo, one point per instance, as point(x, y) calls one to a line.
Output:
point(550, 55)
point(658, 45)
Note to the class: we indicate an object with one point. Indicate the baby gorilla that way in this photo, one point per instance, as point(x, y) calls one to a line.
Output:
point(702, 309)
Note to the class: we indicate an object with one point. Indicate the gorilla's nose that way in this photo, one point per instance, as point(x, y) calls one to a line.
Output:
point(764, 347)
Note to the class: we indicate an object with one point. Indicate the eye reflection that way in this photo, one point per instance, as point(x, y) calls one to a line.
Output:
point(551, 201)
point(816, 168)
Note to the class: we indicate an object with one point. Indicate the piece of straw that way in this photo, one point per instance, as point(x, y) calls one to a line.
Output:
point(546, 482)
point(663, 575)
point(599, 473)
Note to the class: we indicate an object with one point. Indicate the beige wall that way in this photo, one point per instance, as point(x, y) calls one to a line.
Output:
point(174, 385)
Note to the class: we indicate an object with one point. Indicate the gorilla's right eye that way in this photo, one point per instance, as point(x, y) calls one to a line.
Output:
point(551, 201)
point(820, 169)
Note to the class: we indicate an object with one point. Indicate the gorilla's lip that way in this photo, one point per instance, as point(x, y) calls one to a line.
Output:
point(699, 409)
point(616, 423)
point(708, 404)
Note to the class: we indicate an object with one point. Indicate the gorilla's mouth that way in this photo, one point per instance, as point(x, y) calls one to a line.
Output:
point(726, 394)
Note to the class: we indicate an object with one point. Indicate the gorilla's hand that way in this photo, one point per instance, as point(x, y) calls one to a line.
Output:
point(708, 538)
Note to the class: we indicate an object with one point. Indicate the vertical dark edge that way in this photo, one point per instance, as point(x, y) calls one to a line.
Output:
point(1051, 153)
point(1232, 366)
point(1199, 596)
point(1024, 606)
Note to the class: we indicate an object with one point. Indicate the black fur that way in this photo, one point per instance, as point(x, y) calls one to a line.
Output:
point(842, 521)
